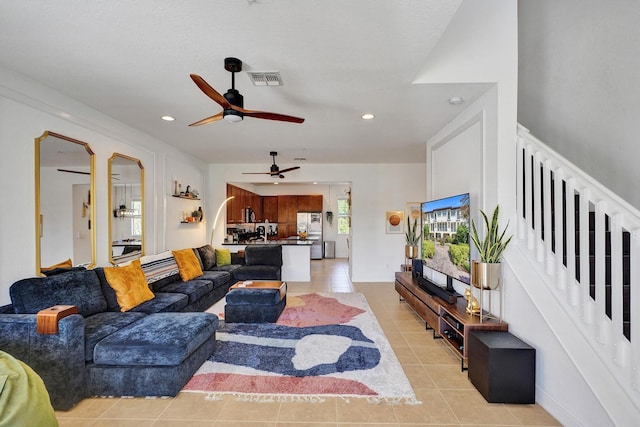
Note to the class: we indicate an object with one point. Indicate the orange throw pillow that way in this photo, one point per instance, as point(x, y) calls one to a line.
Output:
point(130, 285)
point(188, 264)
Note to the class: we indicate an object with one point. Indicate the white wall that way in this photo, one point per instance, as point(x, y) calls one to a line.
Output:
point(27, 109)
point(579, 85)
point(375, 189)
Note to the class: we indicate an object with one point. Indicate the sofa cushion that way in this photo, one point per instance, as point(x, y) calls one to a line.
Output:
point(207, 256)
point(130, 285)
point(225, 268)
point(100, 325)
point(164, 302)
point(163, 339)
point(188, 264)
point(194, 289)
point(263, 255)
point(219, 278)
point(223, 257)
point(80, 288)
point(159, 266)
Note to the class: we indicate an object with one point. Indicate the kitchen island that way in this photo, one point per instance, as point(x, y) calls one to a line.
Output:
point(296, 256)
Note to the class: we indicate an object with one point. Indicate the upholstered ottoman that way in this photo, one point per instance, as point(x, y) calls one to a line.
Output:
point(154, 356)
point(255, 304)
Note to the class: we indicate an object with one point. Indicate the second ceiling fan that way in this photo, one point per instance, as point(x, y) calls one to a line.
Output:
point(275, 171)
point(233, 102)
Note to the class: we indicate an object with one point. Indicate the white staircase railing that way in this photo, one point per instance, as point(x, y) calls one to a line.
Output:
point(586, 244)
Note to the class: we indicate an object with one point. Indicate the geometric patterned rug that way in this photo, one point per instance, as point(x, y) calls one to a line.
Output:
point(322, 345)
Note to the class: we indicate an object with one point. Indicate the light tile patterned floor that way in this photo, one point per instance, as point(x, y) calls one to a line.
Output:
point(447, 395)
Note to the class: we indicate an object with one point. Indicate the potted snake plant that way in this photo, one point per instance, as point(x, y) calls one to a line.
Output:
point(413, 239)
point(486, 272)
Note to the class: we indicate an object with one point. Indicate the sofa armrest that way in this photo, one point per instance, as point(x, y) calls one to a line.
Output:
point(47, 319)
point(58, 359)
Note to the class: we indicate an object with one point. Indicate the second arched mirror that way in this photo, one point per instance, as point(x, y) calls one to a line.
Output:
point(126, 208)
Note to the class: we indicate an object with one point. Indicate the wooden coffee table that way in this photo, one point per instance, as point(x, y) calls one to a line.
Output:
point(261, 284)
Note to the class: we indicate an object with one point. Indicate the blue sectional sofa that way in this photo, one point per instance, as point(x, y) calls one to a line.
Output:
point(152, 349)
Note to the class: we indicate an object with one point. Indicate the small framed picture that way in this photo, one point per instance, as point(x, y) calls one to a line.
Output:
point(394, 221)
point(412, 211)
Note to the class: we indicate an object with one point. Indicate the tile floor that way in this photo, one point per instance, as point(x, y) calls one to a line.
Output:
point(434, 371)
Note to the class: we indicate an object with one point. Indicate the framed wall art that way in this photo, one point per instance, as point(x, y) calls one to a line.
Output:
point(393, 222)
point(412, 211)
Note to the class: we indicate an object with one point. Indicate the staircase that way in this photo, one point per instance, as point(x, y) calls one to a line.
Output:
point(583, 243)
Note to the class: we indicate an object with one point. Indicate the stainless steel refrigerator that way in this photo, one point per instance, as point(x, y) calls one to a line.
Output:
point(311, 222)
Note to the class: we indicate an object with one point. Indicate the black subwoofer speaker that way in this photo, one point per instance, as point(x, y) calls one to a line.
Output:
point(502, 367)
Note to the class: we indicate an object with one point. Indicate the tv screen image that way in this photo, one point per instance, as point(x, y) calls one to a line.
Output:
point(445, 236)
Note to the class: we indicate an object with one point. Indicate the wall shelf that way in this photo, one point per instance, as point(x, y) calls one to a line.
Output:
point(185, 197)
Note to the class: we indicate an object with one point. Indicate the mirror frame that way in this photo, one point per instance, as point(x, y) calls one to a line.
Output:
point(92, 189)
point(139, 163)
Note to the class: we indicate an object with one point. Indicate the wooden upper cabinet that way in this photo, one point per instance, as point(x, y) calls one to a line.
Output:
point(316, 203)
point(270, 208)
point(304, 203)
point(292, 210)
point(283, 205)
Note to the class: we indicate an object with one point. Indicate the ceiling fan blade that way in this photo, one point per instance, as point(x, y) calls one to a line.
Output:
point(289, 169)
point(269, 116)
point(208, 120)
point(209, 91)
point(72, 171)
point(256, 173)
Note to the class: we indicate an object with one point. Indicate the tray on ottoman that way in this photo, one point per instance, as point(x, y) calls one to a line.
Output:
point(255, 302)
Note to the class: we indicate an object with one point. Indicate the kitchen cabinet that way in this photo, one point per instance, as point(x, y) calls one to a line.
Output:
point(242, 199)
point(304, 203)
point(270, 208)
point(316, 203)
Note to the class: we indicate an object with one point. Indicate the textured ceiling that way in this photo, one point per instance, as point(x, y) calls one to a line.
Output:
point(338, 59)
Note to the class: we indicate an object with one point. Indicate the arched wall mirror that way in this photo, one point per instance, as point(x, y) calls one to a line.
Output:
point(126, 204)
point(65, 184)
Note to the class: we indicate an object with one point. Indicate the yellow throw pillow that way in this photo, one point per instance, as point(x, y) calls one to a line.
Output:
point(130, 285)
point(223, 257)
point(188, 264)
point(63, 264)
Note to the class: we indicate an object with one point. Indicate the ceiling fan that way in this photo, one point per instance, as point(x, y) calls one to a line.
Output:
point(233, 102)
point(275, 170)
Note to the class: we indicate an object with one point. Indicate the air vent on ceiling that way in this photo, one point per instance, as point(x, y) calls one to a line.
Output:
point(265, 78)
point(299, 159)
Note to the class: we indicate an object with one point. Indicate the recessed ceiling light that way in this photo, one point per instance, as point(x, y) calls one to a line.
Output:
point(367, 116)
point(456, 100)
point(315, 182)
point(276, 183)
point(168, 118)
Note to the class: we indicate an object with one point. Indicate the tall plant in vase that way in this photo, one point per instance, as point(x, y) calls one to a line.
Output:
point(413, 239)
point(486, 273)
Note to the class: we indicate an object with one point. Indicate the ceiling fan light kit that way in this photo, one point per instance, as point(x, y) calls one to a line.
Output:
point(232, 102)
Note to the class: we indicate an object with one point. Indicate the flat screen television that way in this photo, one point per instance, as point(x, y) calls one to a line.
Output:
point(445, 238)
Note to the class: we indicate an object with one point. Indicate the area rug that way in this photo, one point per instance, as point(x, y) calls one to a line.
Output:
point(322, 345)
